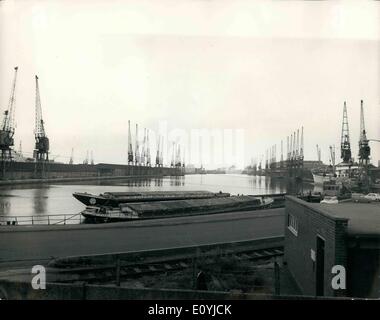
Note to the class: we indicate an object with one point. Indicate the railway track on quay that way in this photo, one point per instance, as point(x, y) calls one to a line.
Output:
point(113, 268)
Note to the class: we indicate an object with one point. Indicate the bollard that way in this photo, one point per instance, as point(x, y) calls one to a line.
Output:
point(118, 271)
point(84, 291)
point(193, 264)
point(276, 279)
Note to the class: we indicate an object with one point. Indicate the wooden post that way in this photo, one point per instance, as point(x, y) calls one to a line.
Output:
point(276, 279)
point(118, 271)
point(193, 261)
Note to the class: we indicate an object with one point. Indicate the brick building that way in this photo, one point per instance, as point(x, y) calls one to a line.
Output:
point(321, 236)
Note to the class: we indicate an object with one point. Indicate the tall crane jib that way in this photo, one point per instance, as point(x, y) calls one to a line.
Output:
point(332, 158)
point(172, 163)
point(364, 148)
point(130, 149)
point(162, 152)
point(143, 153)
point(148, 159)
point(137, 149)
point(178, 157)
point(158, 152)
point(7, 129)
point(345, 146)
point(42, 141)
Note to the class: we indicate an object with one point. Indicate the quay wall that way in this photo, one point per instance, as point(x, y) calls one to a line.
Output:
point(12, 290)
point(51, 170)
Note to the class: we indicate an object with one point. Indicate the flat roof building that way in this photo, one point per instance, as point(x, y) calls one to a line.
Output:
point(320, 239)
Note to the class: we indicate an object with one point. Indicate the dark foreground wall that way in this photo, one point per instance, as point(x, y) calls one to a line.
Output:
point(51, 170)
point(364, 267)
point(303, 226)
point(24, 291)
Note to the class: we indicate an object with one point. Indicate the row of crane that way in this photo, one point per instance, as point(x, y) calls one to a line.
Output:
point(294, 152)
point(295, 146)
point(7, 129)
point(345, 148)
point(140, 156)
point(361, 167)
point(345, 144)
point(143, 157)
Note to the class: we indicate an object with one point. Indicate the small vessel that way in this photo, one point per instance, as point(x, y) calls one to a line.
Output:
point(311, 197)
point(175, 208)
point(322, 176)
point(331, 188)
point(335, 188)
point(113, 199)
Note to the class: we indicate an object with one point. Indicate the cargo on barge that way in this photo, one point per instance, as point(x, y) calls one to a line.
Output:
point(175, 208)
point(114, 199)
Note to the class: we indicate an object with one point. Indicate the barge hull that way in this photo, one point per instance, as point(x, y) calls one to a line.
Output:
point(176, 208)
point(114, 199)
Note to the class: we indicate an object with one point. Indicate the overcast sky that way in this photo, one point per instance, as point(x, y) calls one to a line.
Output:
point(266, 68)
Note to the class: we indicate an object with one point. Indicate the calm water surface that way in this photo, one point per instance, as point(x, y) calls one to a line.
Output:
point(27, 200)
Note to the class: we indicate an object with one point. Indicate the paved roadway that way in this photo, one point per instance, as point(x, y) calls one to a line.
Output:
point(40, 243)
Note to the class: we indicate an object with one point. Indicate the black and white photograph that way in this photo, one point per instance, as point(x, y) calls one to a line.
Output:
point(183, 151)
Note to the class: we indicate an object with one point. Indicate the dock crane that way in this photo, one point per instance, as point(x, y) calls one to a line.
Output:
point(72, 156)
point(345, 146)
point(137, 149)
point(42, 141)
point(332, 158)
point(158, 152)
point(178, 157)
point(162, 153)
point(172, 163)
point(7, 129)
point(148, 160)
point(130, 149)
point(143, 150)
point(319, 153)
point(364, 149)
point(85, 161)
point(302, 147)
point(20, 148)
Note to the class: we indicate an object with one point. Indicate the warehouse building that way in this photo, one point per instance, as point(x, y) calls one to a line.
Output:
point(330, 244)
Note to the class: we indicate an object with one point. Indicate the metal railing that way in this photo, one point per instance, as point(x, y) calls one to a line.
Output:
point(49, 219)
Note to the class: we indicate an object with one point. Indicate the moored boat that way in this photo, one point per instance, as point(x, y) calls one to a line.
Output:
point(113, 199)
point(321, 177)
point(175, 208)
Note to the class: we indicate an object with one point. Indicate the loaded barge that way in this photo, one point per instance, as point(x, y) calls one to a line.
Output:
point(174, 208)
point(114, 199)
